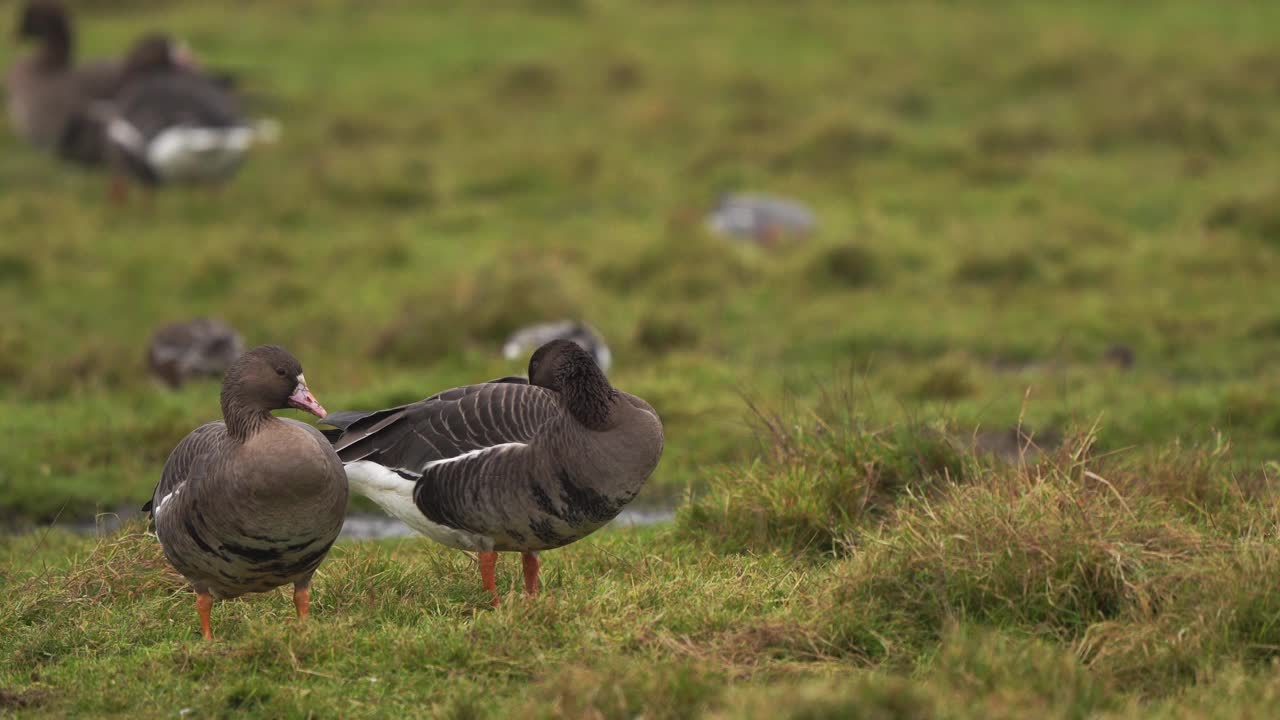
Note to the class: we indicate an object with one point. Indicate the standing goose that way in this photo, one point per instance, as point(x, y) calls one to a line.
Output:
point(253, 502)
point(45, 93)
point(167, 124)
point(50, 100)
point(507, 465)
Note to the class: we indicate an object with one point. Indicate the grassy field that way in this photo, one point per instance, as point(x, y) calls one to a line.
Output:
point(1005, 192)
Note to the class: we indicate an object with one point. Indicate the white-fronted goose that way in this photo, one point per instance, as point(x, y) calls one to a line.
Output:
point(169, 125)
point(203, 347)
point(507, 465)
point(255, 501)
point(51, 101)
point(44, 91)
point(533, 337)
point(759, 217)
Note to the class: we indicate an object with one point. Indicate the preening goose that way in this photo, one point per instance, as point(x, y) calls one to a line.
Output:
point(507, 465)
point(255, 501)
point(170, 125)
point(532, 337)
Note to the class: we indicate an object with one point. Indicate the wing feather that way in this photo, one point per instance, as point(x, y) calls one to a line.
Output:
point(187, 460)
point(446, 425)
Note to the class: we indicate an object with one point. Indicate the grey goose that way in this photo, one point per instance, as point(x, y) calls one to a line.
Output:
point(759, 217)
point(508, 465)
point(255, 501)
point(532, 337)
point(202, 347)
point(166, 124)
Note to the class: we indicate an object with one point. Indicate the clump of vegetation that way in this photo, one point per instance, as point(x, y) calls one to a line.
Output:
point(628, 689)
point(687, 264)
point(661, 332)
point(1016, 267)
point(1157, 120)
point(1258, 217)
point(835, 149)
point(850, 266)
point(1046, 556)
point(624, 76)
point(482, 308)
point(529, 82)
point(1014, 139)
point(949, 378)
point(819, 481)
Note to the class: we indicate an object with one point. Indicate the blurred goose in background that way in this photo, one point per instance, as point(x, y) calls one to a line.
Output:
point(763, 218)
point(203, 347)
point(509, 465)
point(255, 501)
point(531, 337)
point(45, 93)
point(169, 125)
point(49, 99)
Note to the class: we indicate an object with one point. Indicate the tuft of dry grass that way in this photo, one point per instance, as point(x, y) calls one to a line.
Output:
point(817, 479)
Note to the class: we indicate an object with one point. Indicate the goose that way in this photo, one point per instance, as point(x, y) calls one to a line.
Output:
point(167, 124)
point(44, 92)
point(252, 502)
point(759, 217)
point(534, 336)
point(184, 350)
point(508, 465)
point(49, 99)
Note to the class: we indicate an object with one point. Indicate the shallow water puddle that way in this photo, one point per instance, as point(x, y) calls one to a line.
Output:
point(368, 526)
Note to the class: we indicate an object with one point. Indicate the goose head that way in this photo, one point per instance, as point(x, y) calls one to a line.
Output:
point(563, 367)
point(267, 378)
point(560, 362)
point(42, 20)
point(47, 22)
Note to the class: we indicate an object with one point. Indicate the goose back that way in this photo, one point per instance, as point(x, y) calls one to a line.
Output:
point(176, 126)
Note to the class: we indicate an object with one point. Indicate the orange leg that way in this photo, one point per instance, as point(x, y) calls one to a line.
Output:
point(119, 190)
point(302, 600)
point(204, 603)
point(531, 565)
point(488, 573)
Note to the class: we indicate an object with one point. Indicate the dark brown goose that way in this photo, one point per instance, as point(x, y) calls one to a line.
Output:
point(253, 502)
point(507, 465)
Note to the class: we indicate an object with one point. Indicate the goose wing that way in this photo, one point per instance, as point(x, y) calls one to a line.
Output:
point(187, 461)
point(457, 421)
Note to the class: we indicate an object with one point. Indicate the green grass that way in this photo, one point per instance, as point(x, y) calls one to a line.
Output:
point(991, 222)
point(1075, 585)
point(1004, 191)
